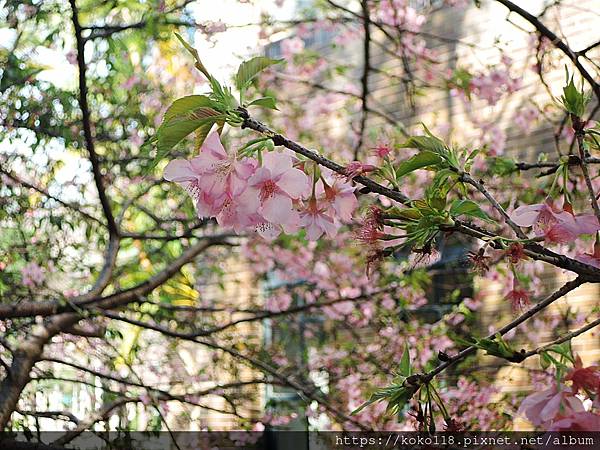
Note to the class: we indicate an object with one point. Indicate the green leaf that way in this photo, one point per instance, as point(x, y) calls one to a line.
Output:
point(248, 70)
point(171, 133)
point(441, 183)
point(397, 396)
point(201, 134)
point(503, 166)
point(405, 369)
point(574, 101)
point(563, 349)
point(186, 105)
point(468, 208)
point(397, 402)
point(265, 102)
point(425, 143)
point(419, 161)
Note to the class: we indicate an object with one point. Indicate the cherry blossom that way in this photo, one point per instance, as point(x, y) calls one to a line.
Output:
point(542, 408)
point(526, 117)
point(593, 259)
point(277, 184)
point(316, 220)
point(578, 421)
point(356, 168)
point(382, 150)
point(518, 296)
point(33, 274)
point(222, 174)
point(338, 195)
point(291, 47)
point(515, 252)
point(556, 225)
point(584, 378)
point(493, 85)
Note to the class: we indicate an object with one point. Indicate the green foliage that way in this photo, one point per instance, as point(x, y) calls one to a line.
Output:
point(199, 65)
point(502, 166)
point(468, 208)
point(560, 356)
point(574, 100)
point(461, 79)
point(401, 390)
point(249, 70)
point(397, 396)
point(434, 154)
point(421, 160)
point(495, 346)
point(405, 368)
point(265, 102)
point(429, 142)
point(199, 113)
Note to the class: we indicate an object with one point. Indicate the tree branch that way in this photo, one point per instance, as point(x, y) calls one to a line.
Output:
point(365, 76)
point(281, 140)
point(87, 128)
point(556, 41)
point(565, 289)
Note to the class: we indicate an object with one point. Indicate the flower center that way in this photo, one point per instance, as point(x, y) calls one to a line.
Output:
point(194, 190)
point(268, 189)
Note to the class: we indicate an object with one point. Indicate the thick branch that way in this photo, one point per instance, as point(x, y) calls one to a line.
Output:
point(120, 298)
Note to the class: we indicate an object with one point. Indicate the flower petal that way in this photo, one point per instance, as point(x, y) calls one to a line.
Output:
point(294, 182)
point(277, 209)
point(277, 163)
point(527, 215)
point(179, 170)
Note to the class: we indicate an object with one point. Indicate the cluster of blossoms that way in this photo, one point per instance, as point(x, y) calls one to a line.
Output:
point(269, 196)
point(492, 86)
point(32, 274)
point(398, 13)
point(564, 408)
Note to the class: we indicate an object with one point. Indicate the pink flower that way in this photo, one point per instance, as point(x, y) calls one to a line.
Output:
point(33, 275)
point(222, 174)
point(518, 297)
point(340, 196)
point(214, 179)
point(130, 82)
point(556, 225)
point(188, 176)
point(593, 259)
point(542, 408)
point(382, 150)
point(276, 184)
point(578, 421)
point(279, 302)
point(239, 212)
point(356, 168)
point(316, 221)
point(515, 253)
point(291, 47)
point(584, 378)
point(526, 117)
